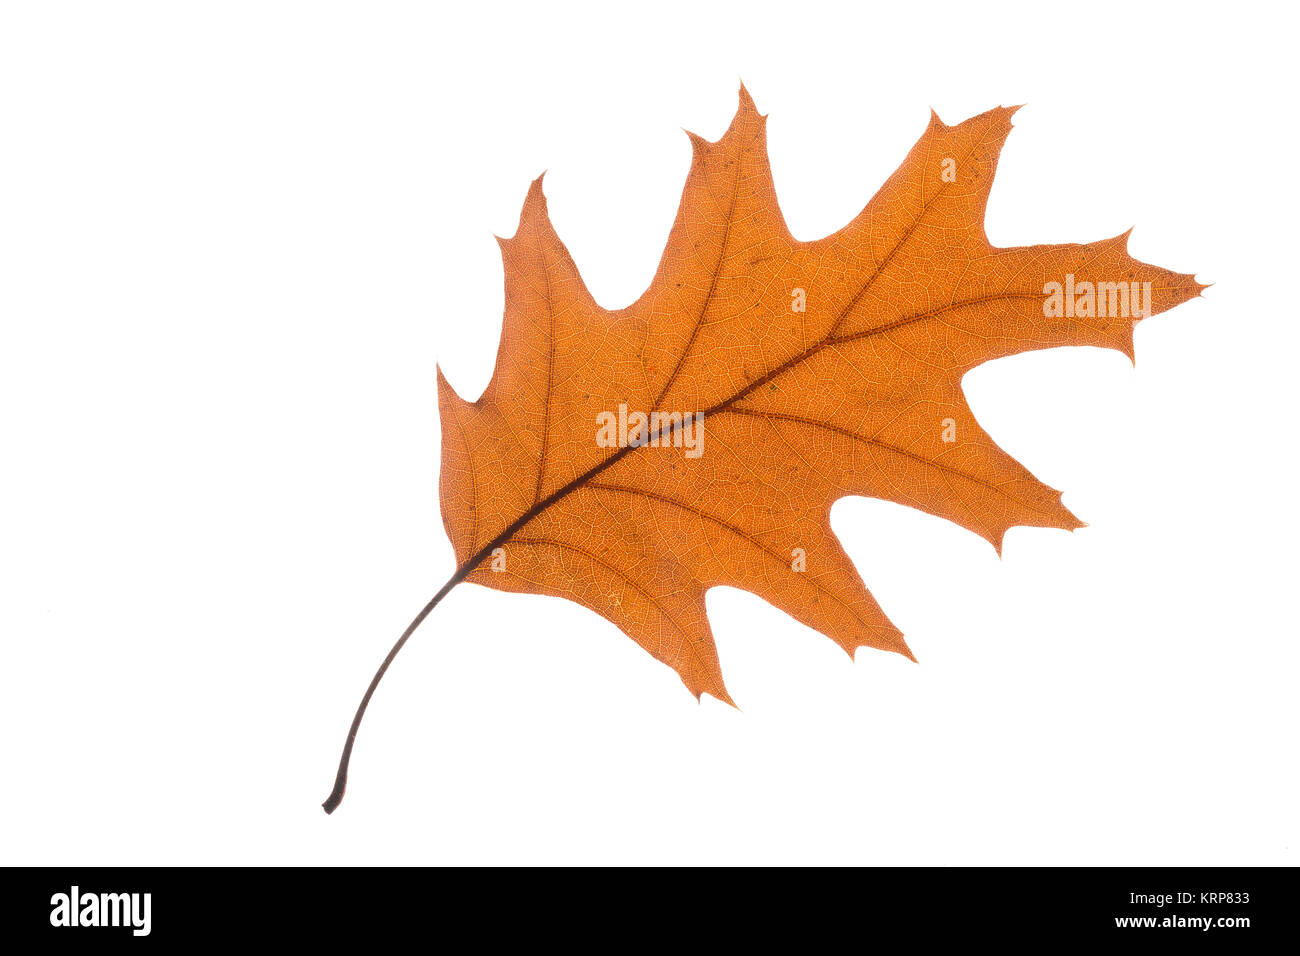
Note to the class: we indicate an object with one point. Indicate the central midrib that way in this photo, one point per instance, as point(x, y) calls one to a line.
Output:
point(720, 408)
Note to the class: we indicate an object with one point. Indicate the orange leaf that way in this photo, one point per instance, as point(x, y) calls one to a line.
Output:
point(800, 371)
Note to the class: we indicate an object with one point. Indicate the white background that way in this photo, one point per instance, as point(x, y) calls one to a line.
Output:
point(234, 239)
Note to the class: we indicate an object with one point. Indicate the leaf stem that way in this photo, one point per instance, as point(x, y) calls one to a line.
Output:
point(341, 779)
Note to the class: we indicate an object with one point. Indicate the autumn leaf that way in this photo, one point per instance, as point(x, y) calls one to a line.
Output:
point(629, 460)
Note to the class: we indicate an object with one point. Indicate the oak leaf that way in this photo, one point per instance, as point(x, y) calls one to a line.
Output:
point(821, 369)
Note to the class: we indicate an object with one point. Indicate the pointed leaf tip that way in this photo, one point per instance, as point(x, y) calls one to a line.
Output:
point(446, 390)
point(534, 208)
point(746, 101)
point(722, 695)
point(698, 143)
